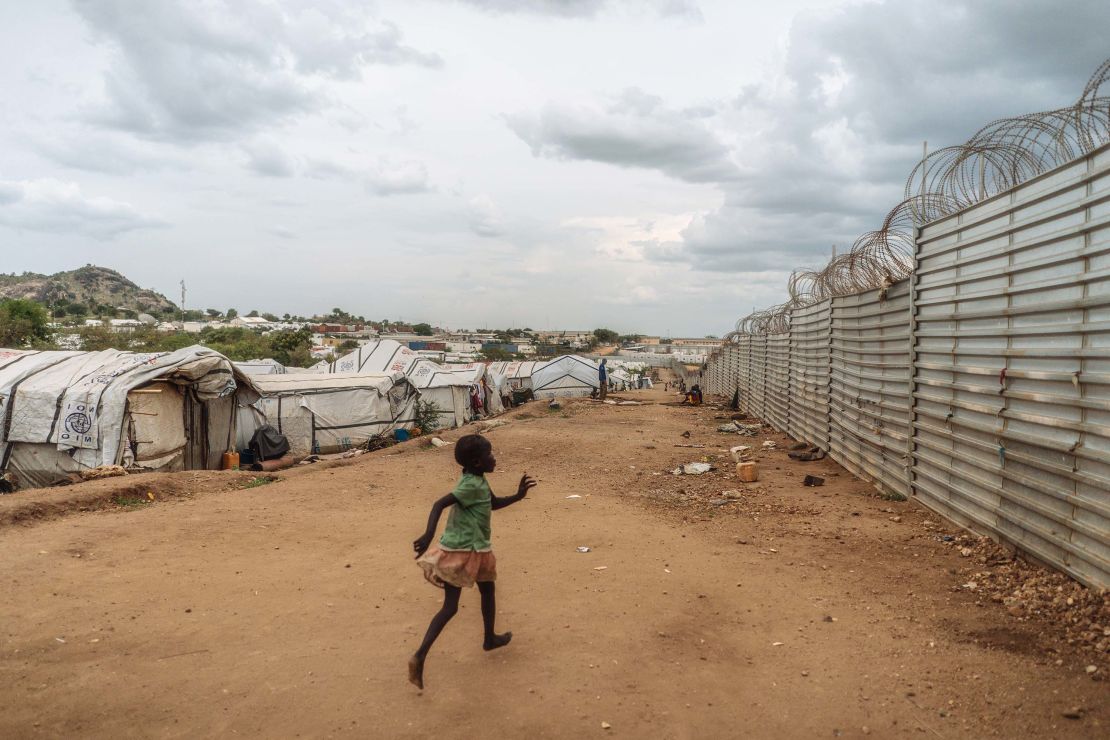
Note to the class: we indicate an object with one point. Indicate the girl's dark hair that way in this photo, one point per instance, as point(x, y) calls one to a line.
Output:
point(470, 449)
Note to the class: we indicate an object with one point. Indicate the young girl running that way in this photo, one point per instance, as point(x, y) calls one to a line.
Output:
point(464, 556)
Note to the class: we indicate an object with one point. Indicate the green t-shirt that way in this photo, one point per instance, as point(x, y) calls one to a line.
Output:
point(468, 524)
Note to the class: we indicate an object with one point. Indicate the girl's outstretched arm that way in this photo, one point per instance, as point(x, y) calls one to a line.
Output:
point(500, 502)
point(421, 543)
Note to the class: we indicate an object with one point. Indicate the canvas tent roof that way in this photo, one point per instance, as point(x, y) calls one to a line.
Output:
point(261, 367)
point(328, 412)
point(386, 355)
point(74, 406)
point(569, 375)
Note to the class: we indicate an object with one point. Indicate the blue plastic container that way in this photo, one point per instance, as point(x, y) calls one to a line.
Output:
point(401, 435)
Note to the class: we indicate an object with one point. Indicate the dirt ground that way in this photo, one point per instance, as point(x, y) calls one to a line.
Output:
point(230, 605)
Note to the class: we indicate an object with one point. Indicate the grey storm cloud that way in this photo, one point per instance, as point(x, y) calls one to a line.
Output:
point(212, 71)
point(634, 130)
point(818, 154)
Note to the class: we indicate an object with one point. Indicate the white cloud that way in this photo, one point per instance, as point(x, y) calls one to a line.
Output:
point(390, 177)
point(54, 206)
point(192, 72)
point(485, 217)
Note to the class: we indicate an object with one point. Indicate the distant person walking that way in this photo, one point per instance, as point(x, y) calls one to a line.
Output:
point(603, 379)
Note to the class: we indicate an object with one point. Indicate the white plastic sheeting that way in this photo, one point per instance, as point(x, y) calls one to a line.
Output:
point(565, 376)
point(329, 412)
point(261, 367)
point(385, 356)
point(62, 412)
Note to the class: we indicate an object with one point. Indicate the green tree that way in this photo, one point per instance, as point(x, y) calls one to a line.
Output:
point(291, 347)
point(270, 317)
point(212, 313)
point(423, 330)
point(348, 345)
point(100, 337)
point(253, 314)
point(23, 323)
point(231, 313)
point(606, 336)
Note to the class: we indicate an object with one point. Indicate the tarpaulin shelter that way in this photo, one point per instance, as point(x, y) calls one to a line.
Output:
point(461, 392)
point(64, 412)
point(566, 376)
point(518, 374)
point(261, 367)
point(385, 356)
point(328, 412)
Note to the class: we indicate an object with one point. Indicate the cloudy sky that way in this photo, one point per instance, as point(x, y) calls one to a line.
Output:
point(649, 165)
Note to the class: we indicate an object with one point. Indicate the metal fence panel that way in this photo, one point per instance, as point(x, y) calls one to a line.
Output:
point(809, 373)
point(1011, 384)
point(757, 372)
point(870, 386)
point(777, 381)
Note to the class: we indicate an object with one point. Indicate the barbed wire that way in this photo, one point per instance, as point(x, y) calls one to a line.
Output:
point(999, 156)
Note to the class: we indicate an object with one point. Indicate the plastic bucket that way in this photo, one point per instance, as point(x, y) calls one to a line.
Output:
point(401, 435)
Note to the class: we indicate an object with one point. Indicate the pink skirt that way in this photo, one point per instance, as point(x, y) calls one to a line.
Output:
point(462, 568)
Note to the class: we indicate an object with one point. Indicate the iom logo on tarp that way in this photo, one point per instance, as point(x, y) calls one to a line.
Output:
point(77, 426)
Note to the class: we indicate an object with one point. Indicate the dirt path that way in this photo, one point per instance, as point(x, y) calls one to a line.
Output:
point(289, 609)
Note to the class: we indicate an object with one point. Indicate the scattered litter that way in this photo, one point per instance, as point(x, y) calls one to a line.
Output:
point(574, 495)
point(813, 480)
point(630, 403)
point(582, 548)
point(741, 453)
point(748, 430)
point(605, 725)
point(895, 519)
point(799, 446)
point(732, 494)
point(694, 468)
point(1092, 669)
point(695, 446)
point(353, 453)
point(104, 471)
point(813, 453)
point(686, 434)
point(59, 639)
point(777, 644)
point(602, 567)
point(769, 444)
point(554, 405)
point(437, 442)
point(494, 423)
point(610, 402)
point(729, 428)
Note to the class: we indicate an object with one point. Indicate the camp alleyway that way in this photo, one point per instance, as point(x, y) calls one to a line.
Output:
point(226, 604)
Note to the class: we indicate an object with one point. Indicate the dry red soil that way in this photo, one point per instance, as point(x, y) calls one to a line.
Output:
point(290, 609)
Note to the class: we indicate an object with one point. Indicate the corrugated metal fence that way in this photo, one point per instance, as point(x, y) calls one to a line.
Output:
point(981, 386)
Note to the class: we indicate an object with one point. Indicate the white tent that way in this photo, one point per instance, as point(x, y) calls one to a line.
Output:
point(519, 374)
point(434, 381)
point(565, 376)
point(261, 367)
point(64, 412)
point(322, 413)
point(455, 389)
point(385, 356)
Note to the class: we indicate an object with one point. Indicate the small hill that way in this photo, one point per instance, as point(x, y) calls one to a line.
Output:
point(89, 286)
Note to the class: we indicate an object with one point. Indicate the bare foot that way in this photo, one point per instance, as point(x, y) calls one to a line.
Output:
point(492, 643)
point(416, 671)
